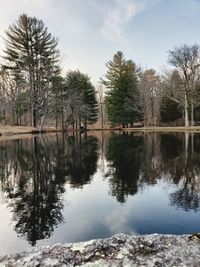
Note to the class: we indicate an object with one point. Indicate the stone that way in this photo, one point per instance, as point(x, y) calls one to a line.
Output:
point(119, 250)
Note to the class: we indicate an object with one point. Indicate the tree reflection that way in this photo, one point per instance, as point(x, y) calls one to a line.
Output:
point(151, 167)
point(125, 154)
point(180, 162)
point(172, 156)
point(188, 196)
point(136, 161)
point(81, 160)
point(33, 172)
point(33, 175)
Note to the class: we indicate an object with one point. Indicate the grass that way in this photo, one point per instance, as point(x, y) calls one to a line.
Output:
point(20, 130)
point(166, 129)
point(9, 130)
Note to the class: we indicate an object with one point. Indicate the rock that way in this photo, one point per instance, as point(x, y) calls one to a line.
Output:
point(119, 250)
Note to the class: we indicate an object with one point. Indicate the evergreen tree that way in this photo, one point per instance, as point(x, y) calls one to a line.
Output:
point(170, 110)
point(32, 51)
point(122, 99)
point(80, 96)
point(58, 88)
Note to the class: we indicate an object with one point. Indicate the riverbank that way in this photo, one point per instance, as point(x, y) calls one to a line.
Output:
point(166, 129)
point(21, 130)
point(12, 130)
point(119, 250)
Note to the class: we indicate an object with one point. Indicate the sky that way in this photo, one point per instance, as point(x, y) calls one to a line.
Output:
point(91, 31)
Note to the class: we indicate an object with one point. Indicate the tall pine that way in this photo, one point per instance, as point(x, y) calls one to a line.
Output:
point(123, 104)
point(33, 51)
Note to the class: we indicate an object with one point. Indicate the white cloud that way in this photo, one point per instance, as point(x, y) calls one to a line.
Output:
point(120, 14)
point(117, 221)
point(117, 19)
point(83, 27)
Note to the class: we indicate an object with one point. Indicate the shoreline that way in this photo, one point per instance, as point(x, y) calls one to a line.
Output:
point(21, 132)
point(12, 130)
point(118, 250)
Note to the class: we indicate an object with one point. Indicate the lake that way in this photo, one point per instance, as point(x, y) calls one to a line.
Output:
point(60, 188)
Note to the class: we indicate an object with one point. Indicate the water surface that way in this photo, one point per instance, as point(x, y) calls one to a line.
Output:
point(68, 188)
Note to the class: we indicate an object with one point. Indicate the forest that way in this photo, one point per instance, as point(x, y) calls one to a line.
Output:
point(33, 91)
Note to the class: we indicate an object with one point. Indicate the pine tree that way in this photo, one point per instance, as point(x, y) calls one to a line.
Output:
point(80, 96)
point(32, 51)
point(122, 99)
point(170, 110)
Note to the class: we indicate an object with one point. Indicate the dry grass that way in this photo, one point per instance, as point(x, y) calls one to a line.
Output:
point(16, 129)
point(166, 129)
point(21, 130)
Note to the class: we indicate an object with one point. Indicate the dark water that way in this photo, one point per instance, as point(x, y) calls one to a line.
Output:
point(62, 188)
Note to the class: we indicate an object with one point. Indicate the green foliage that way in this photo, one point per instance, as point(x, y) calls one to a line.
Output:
point(22, 104)
point(81, 93)
point(170, 110)
point(32, 52)
point(125, 155)
point(82, 159)
point(57, 90)
point(122, 99)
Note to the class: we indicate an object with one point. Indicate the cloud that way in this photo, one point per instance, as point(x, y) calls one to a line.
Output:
point(118, 221)
point(119, 14)
point(88, 31)
point(117, 19)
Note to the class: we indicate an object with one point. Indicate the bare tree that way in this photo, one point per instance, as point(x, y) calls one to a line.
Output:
point(13, 94)
point(149, 91)
point(103, 116)
point(186, 59)
point(73, 107)
point(172, 87)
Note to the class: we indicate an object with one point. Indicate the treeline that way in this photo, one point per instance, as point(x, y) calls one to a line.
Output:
point(33, 91)
point(170, 98)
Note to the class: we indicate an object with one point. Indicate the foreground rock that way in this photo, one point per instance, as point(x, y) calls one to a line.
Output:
point(119, 250)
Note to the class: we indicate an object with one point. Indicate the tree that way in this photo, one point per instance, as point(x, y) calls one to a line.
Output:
point(149, 91)
point(123, 96)
point(81, 159)
point(58, 89)
point(186, 60)
point(14, 94)
point(125, 154)
point(170, 110)
point(80, 103)
point(103, 118)
point(32, 51)
point(3, 99)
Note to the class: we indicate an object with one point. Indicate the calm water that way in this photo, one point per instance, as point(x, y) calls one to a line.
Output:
point(62, 188)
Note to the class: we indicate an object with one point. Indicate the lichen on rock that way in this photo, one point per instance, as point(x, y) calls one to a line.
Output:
point(119, 250)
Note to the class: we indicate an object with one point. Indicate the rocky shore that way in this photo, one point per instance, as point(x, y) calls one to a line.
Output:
point(119, 250)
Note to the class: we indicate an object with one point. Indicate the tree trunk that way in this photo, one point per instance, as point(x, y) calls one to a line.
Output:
point(42, 123)
point(80, 123)
point(56, 121)
point(85, 124)
point(33, 115)
point(192, 114)
point(101, 116)
point(186, 112)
